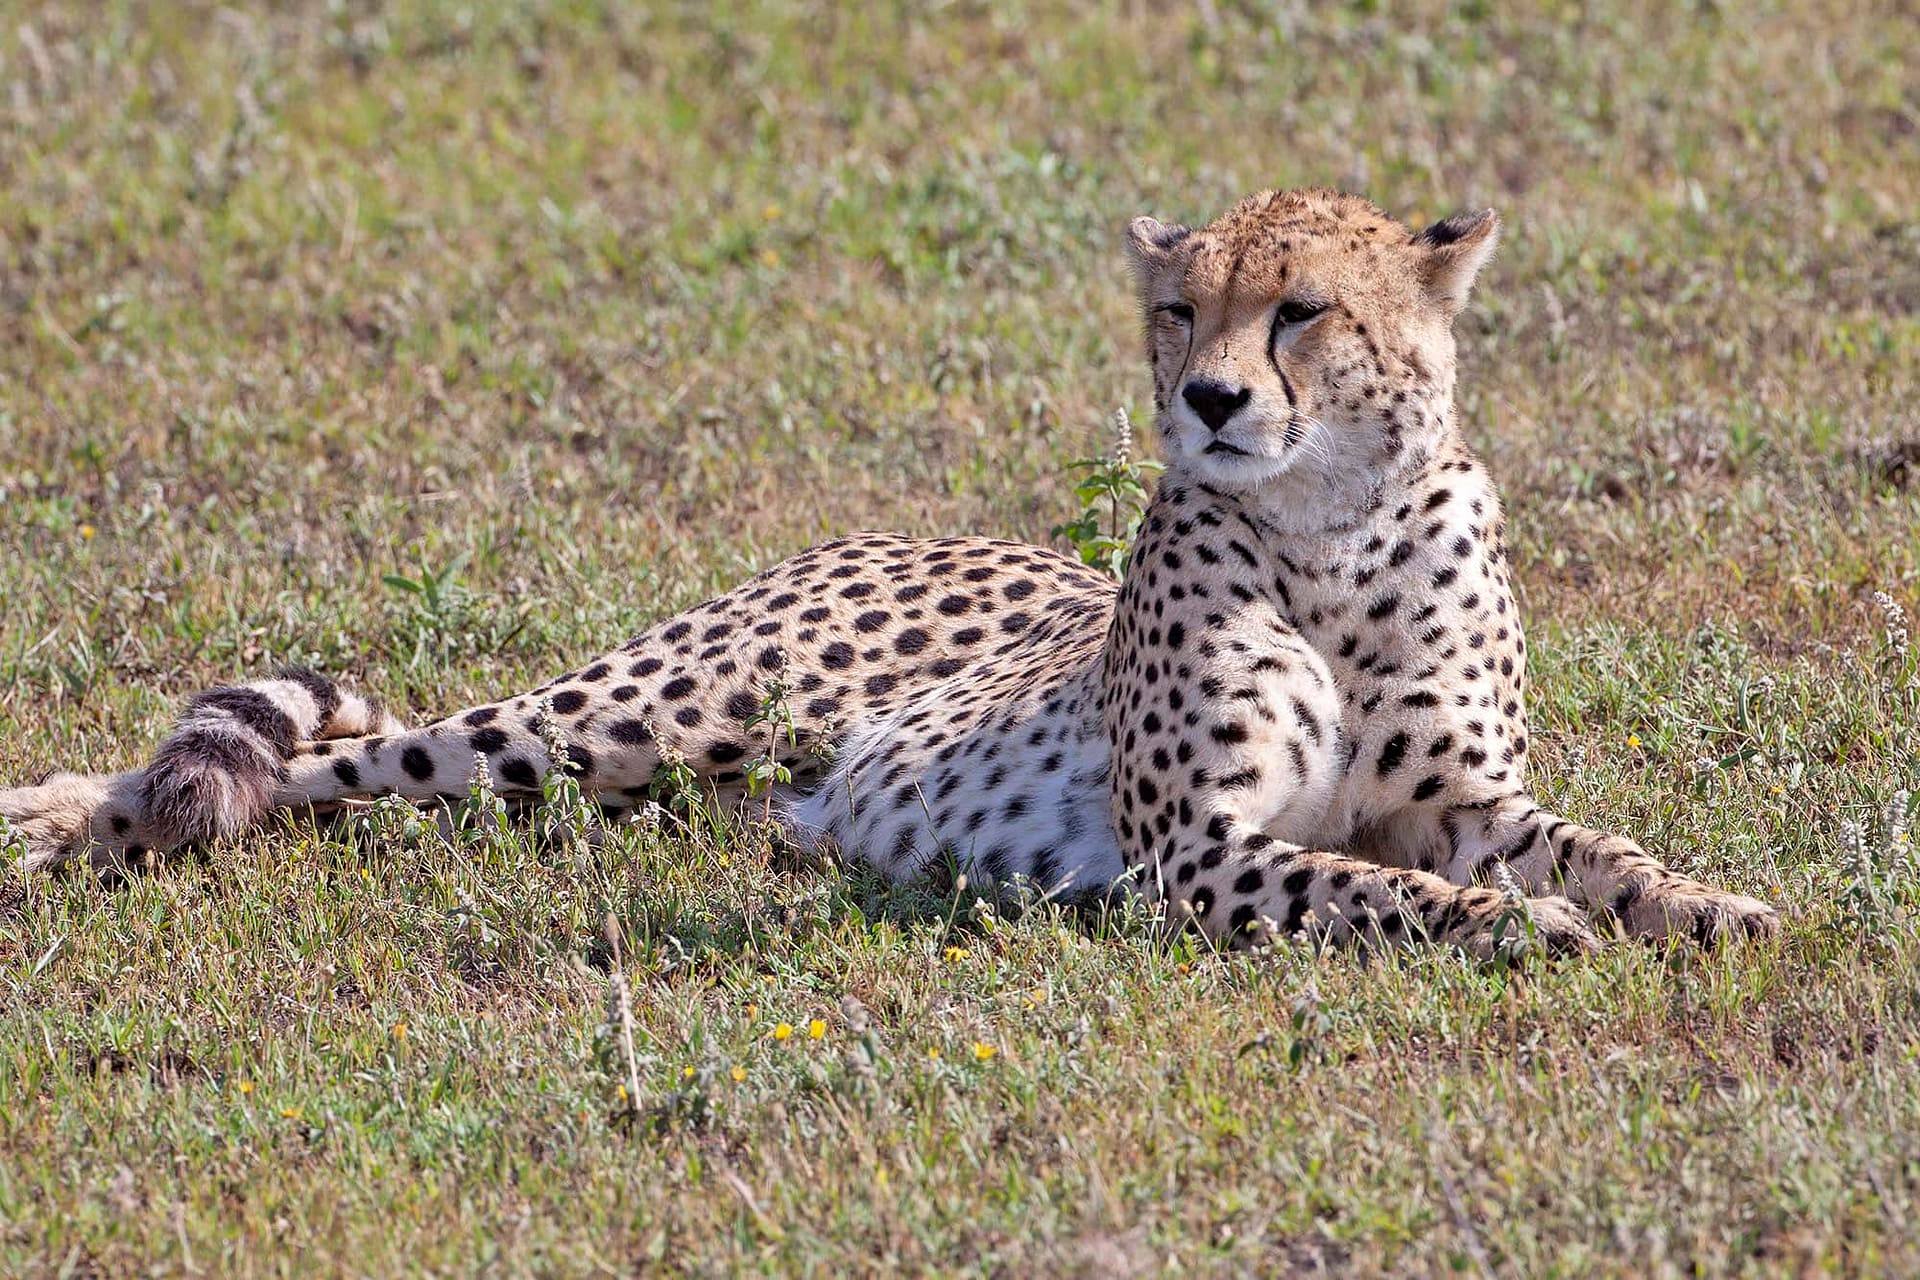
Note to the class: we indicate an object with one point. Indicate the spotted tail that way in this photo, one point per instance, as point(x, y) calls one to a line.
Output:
point(215, 775)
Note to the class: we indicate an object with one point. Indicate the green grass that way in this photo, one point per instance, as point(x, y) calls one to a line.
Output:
point(608, 307)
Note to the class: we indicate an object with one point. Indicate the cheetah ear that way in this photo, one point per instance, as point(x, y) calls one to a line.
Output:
point(1452, 251)
point(1150, 243)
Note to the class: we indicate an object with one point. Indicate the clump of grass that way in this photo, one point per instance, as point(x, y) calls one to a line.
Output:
point(438, 620)
point(1881, 877)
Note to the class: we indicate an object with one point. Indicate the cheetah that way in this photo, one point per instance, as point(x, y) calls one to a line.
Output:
point(1301, 712)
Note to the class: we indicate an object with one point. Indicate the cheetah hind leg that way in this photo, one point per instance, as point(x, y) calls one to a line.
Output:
point(216, 774)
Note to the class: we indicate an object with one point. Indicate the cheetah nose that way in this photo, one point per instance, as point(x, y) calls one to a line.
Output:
point(1215, 402)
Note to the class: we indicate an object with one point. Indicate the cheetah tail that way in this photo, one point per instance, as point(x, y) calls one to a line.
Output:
point(215, 775)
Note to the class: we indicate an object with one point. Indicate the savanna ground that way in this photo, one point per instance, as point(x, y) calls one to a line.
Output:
point(571, 314)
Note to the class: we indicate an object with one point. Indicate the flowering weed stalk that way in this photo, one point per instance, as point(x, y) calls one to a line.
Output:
point(1113, 494)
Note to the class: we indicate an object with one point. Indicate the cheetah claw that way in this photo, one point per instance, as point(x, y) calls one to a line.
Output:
point(1703, 916)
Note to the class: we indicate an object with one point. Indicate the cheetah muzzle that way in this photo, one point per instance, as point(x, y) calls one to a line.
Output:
point(1303, 710)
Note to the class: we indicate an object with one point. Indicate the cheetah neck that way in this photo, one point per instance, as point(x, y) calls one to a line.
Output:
point(1300, 514)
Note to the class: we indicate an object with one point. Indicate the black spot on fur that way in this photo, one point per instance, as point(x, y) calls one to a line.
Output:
point(629, 732)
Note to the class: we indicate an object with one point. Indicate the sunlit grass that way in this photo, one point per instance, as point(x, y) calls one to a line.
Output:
point(443, 345)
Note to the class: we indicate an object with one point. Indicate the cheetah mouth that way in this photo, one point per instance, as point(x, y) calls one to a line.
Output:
point(1221, 446)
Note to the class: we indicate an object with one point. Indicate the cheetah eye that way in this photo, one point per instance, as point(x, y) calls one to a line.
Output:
point(1180, 312)
point(1300, 310)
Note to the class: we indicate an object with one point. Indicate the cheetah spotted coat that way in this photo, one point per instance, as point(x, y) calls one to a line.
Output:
point(1303, 710)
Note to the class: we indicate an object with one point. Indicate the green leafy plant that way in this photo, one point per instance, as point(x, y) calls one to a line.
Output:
point(436, 619)
point(1113, 492)
point(766, 770)
point(675, 788)
point(439, 592)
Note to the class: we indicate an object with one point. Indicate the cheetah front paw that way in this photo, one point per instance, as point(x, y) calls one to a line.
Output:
point(1553, 926)
point(1708, 917)
point(55, 822)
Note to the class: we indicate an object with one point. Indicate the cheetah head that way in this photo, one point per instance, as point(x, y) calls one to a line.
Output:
point(1303, 333)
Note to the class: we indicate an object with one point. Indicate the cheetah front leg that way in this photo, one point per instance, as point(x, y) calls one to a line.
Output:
point(1246, 887)
point(1605, 872)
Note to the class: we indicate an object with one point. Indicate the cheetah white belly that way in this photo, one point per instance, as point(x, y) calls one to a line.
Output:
point(1020, 793)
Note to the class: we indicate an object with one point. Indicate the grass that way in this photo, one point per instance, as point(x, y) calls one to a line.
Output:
point(580, 312)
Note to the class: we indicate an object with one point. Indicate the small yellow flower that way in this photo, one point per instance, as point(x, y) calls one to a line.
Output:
point(817, 1029)
point(955, 954)
point(686, 1073)
point(982, 1051)
point(771, 213)
point(935, 1053)
point(621, 1091)
point(739, 1075)
point(782, 1031)
point(1039, 995)
point(86, 532)
point(753, 1011)
point(290, 1113)
point(1778, 789)
point(399, 1031)
point(245, 1086)
point(1633, 739)
point(770, 257)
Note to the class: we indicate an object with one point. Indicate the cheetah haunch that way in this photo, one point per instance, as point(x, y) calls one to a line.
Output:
point(1302, 711)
